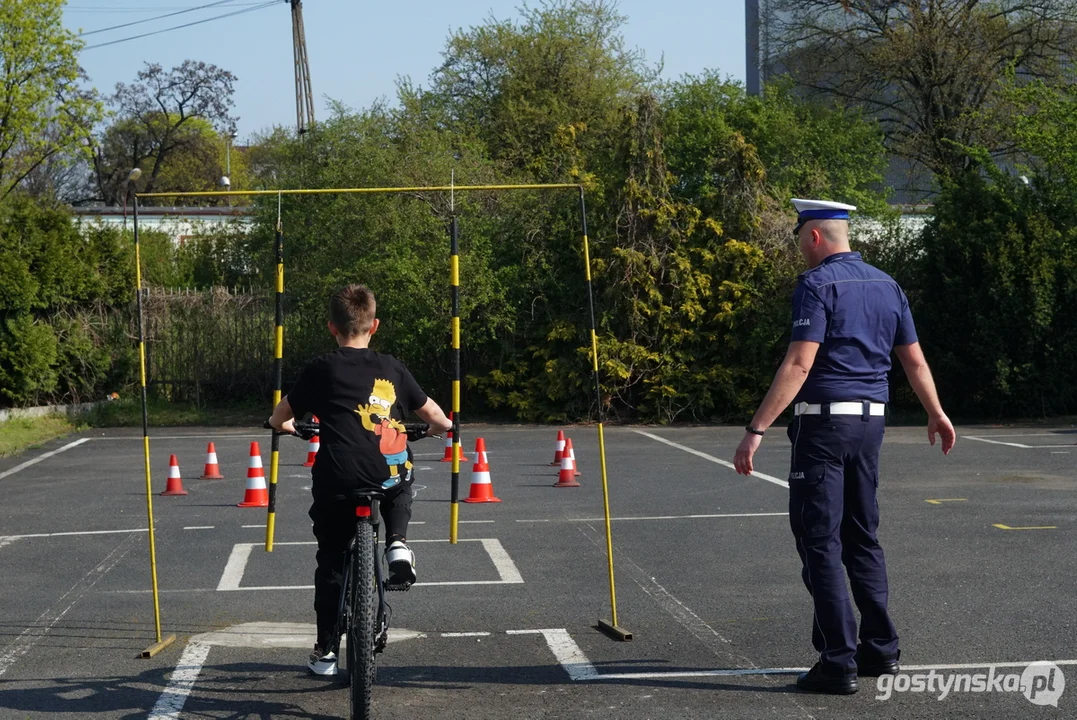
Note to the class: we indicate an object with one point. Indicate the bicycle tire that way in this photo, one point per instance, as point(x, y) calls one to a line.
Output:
point(364, 598)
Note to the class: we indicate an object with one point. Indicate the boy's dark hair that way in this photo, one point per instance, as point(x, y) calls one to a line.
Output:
point(351, 310)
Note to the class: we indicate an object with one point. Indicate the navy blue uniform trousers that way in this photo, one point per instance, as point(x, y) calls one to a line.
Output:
point(834, 515)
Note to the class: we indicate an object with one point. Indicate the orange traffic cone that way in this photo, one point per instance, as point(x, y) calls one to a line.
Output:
point(559, 448)
point(482, 490)
point(213, 470)
point(174, 486)
point(447, 457)
point(312, 448)
point(567, 476)
point(257, 495)
point(572, 454)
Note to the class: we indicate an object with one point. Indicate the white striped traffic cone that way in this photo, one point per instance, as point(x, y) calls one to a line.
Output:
point(213, 470)
point(257, 495)
point(482, 490)
point(174, 486)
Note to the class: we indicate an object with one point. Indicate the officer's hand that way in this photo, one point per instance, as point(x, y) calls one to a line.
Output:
point(941, 425)
point(288, 426)
point(743, 459)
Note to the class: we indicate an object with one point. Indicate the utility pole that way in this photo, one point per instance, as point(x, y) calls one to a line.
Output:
point(304, 95)
point(752, 71)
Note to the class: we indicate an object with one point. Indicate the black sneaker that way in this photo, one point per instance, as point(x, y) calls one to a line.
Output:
point(401, 561)
point(873, 665)
point(818, 681)
point(322, 663)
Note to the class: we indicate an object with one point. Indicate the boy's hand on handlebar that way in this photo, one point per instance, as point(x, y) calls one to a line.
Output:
point(288, 426)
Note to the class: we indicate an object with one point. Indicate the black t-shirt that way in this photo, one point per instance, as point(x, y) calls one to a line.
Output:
point(361, 399)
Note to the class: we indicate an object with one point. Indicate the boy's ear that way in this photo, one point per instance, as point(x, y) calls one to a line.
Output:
point(374, 325)
point(332, 329)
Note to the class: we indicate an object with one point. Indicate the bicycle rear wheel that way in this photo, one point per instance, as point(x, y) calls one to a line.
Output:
point(363, 598)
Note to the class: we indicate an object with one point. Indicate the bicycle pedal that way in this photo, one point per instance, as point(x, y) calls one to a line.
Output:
point(400, 587)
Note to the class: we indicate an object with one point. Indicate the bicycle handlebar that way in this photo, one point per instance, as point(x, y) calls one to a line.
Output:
point(308, 429)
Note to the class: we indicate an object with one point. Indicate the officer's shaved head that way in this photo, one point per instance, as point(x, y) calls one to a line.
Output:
point(833, 231)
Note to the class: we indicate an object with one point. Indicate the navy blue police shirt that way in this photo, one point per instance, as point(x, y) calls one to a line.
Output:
point(858, 314)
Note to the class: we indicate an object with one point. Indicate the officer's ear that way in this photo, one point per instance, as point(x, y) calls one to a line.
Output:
point(816, 237)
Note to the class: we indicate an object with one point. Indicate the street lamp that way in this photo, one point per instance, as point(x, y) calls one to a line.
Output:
point(135, 174)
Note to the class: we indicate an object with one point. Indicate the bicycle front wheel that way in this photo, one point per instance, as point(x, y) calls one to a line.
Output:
point(361, 629)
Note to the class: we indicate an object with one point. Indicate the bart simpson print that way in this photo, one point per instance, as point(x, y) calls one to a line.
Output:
point(393, 437)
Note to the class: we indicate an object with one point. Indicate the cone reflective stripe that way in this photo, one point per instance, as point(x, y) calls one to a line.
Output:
point(559, 448)
point(482, 490)
point(213, 470)
point(257, 495)
point(174, 486)
point(567, 476)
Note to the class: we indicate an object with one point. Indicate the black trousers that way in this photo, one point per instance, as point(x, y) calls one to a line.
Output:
point(834, 515)
point(334, 528)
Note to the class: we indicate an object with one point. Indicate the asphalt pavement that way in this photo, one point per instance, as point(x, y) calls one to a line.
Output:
point(979, 545)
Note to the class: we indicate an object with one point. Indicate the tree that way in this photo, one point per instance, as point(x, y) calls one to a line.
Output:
point(932, 71)
point(164, 119)
point(741, 158)
point(532, 89)
point(43, 113)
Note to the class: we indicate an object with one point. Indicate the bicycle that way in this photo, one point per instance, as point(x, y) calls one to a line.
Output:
point(363, 614)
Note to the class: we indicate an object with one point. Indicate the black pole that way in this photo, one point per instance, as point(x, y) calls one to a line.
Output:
point(278, 363)
point(454, 259)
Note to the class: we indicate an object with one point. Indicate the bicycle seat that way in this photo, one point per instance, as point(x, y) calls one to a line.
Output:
point(366, 494)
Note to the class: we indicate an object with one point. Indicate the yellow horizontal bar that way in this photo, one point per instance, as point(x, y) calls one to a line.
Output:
point(328, 191)
point(1040, 527)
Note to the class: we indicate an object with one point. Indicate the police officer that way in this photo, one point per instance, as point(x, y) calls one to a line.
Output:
point(847, 317)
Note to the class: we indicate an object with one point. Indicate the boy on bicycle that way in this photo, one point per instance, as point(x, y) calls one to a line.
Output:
point(361, 398)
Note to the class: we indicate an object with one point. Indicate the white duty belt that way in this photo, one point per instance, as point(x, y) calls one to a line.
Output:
point(841, 408)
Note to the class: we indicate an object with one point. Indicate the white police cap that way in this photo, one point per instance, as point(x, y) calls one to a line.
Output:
point(821, 210)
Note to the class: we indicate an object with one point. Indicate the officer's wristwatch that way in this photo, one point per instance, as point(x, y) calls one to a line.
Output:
point(753, 431)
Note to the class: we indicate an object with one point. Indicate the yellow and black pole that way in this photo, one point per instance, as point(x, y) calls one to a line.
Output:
point(454, 281)
point(609, 627)
point(160, 642)
point(278, 363)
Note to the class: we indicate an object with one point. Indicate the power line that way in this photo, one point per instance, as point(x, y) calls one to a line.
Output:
point(158, 17)
point(185, 25)
point(113, 9)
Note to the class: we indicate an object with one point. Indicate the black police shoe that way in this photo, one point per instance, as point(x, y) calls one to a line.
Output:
point(819, 681)
point(873, 665)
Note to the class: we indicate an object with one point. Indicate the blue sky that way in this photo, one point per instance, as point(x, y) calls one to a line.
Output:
point(358, 49)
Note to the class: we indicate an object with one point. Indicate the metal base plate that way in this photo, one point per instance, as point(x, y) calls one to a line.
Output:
point(614, 631)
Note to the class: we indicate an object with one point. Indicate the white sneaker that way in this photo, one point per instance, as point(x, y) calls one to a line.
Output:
point(322, 663)
point(401, 562)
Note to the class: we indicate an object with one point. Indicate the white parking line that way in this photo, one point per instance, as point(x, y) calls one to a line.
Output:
point(705, 456)
point(1023, 446)
point(78, 532)
point(566, 651)
point(234, 569)
point(174, 697)
point(464, 634)
point(579, 667)
point(199, 527)
point(664, 517)
point(48, 619)
point(41, 457)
